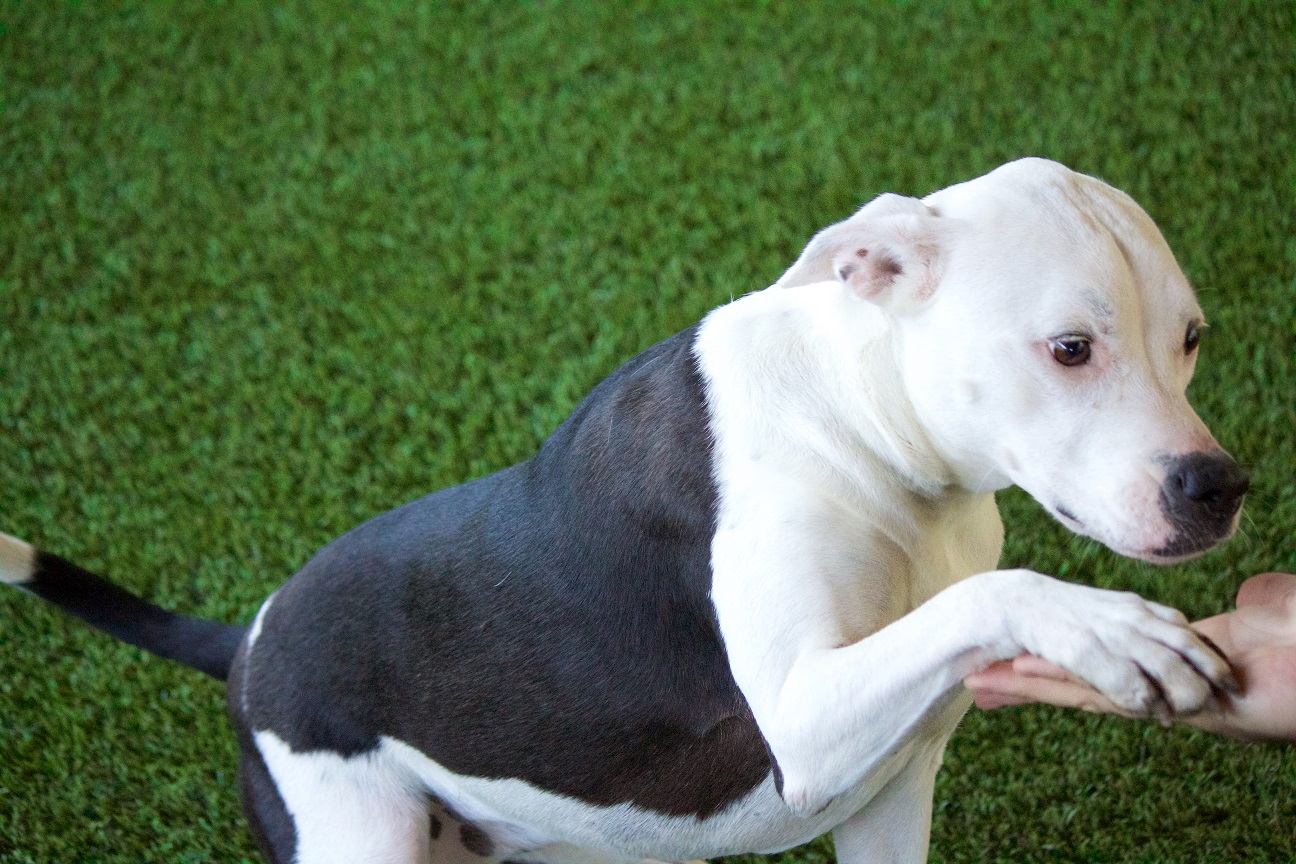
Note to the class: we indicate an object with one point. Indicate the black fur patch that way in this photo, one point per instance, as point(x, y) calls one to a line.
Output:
point(551, 622)
point(475, 840)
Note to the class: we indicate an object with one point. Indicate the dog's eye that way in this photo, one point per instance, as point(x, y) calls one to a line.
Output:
point(1192, 338)
point(1070, 350)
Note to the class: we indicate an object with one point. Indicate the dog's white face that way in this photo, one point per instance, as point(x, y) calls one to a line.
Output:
point(1047, 337)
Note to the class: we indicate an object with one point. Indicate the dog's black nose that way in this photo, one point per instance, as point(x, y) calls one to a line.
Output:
point(1207, 481)
point(1200, 496)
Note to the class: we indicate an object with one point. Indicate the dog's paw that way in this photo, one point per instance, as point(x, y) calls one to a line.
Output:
point(1141, 655)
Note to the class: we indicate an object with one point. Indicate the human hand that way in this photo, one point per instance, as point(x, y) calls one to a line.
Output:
point(1258, 638)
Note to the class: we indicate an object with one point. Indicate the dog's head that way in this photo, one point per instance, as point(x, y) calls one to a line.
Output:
point(1046, 336)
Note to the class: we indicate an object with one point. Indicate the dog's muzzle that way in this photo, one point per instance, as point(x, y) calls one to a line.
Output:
point(1200, 496)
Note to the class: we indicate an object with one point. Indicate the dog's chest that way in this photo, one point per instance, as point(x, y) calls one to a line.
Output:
point(965, 540)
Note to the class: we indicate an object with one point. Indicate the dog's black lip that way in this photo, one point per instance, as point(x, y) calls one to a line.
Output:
point(1190, 544)
point(1067, 513)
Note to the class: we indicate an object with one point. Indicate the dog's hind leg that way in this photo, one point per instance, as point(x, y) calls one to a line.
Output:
point(443, 837)
point(348, 810)
point(268, 817)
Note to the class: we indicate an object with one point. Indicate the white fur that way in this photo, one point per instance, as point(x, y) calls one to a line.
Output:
point(17, 560)
point(254, 632)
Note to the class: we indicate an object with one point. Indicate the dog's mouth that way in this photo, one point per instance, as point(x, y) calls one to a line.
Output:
point(1193, 540)
point(1187, 543)
point(1067, 517)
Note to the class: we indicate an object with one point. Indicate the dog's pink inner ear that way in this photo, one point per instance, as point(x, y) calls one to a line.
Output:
point(867, 272)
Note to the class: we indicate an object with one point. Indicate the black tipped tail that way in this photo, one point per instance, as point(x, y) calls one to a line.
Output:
point(208, 646)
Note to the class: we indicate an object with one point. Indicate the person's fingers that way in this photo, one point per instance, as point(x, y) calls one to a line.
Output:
point(1217, 630)
point(1001, 685)
point(1267, 589)
point(994, 686)
point(1031, 666)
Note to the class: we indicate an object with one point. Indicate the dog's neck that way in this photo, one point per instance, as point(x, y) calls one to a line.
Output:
point(813, 371)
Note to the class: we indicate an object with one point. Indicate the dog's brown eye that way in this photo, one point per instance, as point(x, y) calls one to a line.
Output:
point(1070, 350)
point(1192, 338)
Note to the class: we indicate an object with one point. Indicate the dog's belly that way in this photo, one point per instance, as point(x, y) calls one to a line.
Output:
point(520, 817)
point(511, 819)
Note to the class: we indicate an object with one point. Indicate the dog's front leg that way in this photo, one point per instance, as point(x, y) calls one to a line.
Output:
point(895, 826)
point(831, 713)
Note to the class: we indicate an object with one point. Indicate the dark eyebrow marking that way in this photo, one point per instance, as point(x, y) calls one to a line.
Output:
point(1100, 310)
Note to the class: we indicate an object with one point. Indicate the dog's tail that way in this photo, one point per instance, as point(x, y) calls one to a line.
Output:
point(208, 646)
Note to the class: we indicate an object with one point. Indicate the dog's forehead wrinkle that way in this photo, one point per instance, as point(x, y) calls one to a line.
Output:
point(1065, 222)
point(1145, 253)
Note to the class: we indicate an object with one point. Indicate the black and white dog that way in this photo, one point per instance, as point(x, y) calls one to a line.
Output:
point(728, 605)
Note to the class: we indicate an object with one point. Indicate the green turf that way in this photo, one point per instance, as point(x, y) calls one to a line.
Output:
point(265, 272)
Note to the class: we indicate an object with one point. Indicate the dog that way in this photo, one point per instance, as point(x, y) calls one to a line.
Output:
point(728, 605)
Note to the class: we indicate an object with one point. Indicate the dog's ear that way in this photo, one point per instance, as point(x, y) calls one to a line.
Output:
point(888, 253)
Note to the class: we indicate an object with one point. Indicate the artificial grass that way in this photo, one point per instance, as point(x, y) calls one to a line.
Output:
point(266, 271)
